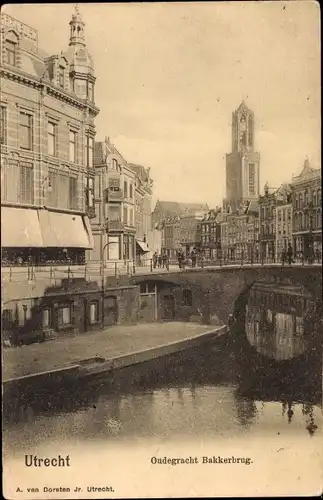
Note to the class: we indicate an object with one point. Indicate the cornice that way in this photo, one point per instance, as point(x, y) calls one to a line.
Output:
point(26, 79)
point(20, 77)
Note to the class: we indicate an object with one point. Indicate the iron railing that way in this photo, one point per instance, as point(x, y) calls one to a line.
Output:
point(93, 270)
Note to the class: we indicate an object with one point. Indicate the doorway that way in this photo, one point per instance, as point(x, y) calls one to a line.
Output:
point(168, 309)
point(110, 311)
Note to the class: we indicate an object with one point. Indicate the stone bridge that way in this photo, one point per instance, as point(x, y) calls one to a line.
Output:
point(206, 292)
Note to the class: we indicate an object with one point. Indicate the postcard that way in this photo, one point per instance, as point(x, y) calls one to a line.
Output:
point(161, 250)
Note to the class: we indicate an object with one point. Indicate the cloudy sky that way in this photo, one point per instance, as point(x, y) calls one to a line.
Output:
point(170, 75)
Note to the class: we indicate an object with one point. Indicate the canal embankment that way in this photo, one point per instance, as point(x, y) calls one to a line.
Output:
point(102, 351)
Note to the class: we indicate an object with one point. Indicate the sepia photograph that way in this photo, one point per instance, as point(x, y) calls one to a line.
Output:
point(161, 250)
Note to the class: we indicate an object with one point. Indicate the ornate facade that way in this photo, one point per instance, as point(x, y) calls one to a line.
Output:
point(114, 227)
point(307, 212)
point(47, 141)
point(242, 164)
point(211, 235)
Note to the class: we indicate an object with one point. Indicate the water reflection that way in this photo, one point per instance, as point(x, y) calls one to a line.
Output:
point(214, 392)
point(279, 320)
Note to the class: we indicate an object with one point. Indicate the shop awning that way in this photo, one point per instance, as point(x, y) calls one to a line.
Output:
point(65, 230)
point(20, 227)
point(143, 246)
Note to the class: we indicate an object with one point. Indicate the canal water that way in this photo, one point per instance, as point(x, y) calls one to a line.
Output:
point(256, 394)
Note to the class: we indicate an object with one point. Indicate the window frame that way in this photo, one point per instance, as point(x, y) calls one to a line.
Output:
point(97, 312)
point(53, 135)
point(47, 309)
point(13, 52)
point(73, 143)
point(89, 151)
point(61, 76)
point(60, 308)
point(29, 129)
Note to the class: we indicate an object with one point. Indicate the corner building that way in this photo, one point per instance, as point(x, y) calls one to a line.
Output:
point(47, 143)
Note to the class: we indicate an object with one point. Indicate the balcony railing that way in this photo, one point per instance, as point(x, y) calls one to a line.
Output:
point(114, 195)
point(114, 225)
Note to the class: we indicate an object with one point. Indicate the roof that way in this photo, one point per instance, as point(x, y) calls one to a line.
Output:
point(173, 208)
point(243, 108)
point(142, 172)
point(253, 207)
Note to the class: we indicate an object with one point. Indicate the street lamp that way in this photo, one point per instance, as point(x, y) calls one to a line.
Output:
point(102, 279)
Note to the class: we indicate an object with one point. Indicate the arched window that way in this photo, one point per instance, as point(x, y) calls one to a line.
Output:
point(319, 197)
point(297, 222)
point(302, 221)
point(314, 197)
point(11, 48)
point(296, 202)
point(306, 198)
point(300, 200)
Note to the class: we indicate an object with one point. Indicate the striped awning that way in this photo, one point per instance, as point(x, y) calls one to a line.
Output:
point(20, 227)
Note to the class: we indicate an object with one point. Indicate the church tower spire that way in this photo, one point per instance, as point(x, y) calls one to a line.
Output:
point(77, 28)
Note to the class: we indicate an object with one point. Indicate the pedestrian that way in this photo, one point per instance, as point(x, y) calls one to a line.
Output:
point(164, 258)
point(155, 259)
point(180, 259)
point(193, 258)
point(167, 262)
point(284, 257)
point(160, 260)
point(290, 254)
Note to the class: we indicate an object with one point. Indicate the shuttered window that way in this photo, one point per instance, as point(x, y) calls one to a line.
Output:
point(64, 316)
point(26, 194)
point(72, 193)
point(63, 193)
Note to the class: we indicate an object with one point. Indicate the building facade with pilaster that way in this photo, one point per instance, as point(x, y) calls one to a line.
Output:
point(307, 212)
point(47, 138)
point(114, 227)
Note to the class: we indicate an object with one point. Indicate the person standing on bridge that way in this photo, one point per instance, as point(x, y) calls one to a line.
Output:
point(290, 254)
point(155, 259)
point(284, 257)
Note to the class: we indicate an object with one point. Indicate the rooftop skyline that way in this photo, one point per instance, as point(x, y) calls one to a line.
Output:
point(170, 76)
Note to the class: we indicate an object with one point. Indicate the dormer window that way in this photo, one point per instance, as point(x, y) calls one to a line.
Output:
point(90, 94)
point(61, 76)
point(11, 52)
point(11, 48)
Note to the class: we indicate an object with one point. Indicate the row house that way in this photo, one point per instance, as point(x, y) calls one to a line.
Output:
point(240, 233)
point(284, 218)
point(114, 226)
point(145, 241)
point(211, 235)
point(171, 242)
point(307, 212)
point(267, 223)
point(167, 209)
point(190, 233)
point(47, 137)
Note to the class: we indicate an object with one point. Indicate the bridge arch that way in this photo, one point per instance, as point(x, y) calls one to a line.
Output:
point(218, 291)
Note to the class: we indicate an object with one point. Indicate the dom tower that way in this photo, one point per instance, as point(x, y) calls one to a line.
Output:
point(242, 164)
